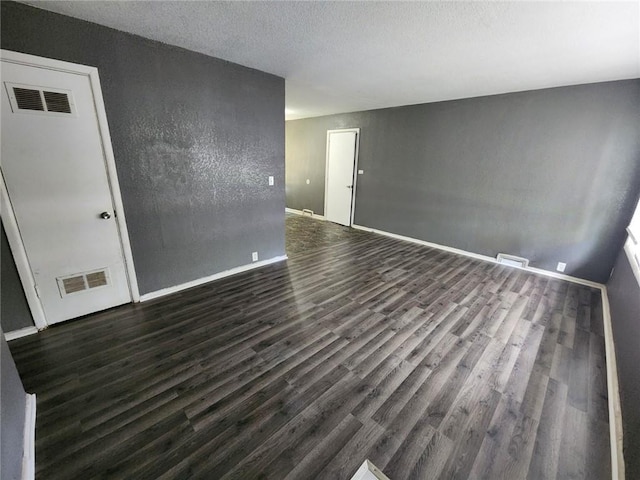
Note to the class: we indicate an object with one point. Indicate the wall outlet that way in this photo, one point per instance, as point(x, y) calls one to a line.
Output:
point(561, 266)
point(271, 181)
point(360, 172)
point(254, 256)
point(308, 181)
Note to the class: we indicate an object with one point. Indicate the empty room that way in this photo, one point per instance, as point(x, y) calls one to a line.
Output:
point(320, 240)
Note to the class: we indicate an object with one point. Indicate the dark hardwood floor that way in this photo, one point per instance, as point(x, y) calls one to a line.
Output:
point(429, 364)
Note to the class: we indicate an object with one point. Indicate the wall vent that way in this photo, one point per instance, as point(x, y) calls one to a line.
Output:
point(40, 100)
point(80, 282)
point(28, 99)
point(512, 260)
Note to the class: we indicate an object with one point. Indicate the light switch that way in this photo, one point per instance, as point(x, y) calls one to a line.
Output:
point(360, 172)
point(271, 180)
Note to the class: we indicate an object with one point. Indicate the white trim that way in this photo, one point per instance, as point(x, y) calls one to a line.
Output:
point(300, 212)
point(194, 283)
point(486, 258)
point(29, 449)
point(635, 268)
point(15, 241)
point(20, 257)
point(354, 175)
point(112, 175)
point(613, 392)
point(368, 470)
point(23, 332)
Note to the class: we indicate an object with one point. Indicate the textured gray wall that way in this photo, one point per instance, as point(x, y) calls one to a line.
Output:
point(549, 175)
point(14, 310)
point(13, 400)
point(624, 299)
point(194, 139)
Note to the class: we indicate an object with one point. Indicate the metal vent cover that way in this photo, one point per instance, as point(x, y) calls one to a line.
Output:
point(512, 260)
point(57, 102)
point(80, 282)
point(40, 100)
point(28, 99)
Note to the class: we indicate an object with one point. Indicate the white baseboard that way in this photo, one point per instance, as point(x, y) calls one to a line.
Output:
point(613, 392)
point(23, 332)
point(486, 258)
point(29, 453)
point(300, 212)
point(217, 276)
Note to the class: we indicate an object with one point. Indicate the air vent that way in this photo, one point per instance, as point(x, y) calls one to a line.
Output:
point(512, 260)
point(96, 279)
point(28, 99)
point(40, 100)
point(74, 284)
point(80, 282)
point(57, 102)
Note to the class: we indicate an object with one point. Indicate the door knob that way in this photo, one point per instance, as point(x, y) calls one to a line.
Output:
point(105, 215)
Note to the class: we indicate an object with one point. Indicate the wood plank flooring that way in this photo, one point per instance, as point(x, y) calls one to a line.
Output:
point(429, 364)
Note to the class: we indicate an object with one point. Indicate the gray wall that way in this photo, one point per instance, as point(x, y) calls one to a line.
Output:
point(14, 310)
point(549, 175)
point(12, 404)
point(194, 139)
point(624, 299)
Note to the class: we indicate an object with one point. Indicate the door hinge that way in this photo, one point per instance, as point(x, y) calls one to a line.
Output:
point(37, 290)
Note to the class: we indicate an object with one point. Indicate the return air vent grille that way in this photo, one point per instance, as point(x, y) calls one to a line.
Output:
point(28, 99)
point(81, 282)
point(40, 100)
point(57, 102)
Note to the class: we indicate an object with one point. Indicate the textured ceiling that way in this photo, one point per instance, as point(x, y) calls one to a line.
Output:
point(350, 56)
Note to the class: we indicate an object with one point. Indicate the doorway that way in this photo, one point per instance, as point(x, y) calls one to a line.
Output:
point(340, 185)
point(62, 208)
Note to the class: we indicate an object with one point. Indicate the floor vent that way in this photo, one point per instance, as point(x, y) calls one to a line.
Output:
point(512, 260)
point(80, 282)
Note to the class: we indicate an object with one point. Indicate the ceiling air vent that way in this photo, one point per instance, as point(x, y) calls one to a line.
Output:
point(28, 99)
point(40, 100)
point(80, 282)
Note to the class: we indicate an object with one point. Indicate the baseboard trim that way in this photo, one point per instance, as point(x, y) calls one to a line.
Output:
point(478, 256)
point(217, 276)
point(613, 392)
point(300, 212)
point(23, 332)
point(29, 453)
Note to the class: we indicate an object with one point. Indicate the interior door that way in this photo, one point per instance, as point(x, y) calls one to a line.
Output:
point(341, 158)
point(54, 168)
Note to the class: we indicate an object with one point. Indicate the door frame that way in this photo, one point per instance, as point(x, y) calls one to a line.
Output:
point(355, 171)
point(16, 244)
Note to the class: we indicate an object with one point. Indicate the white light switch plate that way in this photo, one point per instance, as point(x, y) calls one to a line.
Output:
point(271, 180)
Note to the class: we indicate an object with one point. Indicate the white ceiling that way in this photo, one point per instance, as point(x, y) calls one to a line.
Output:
point(349, 56)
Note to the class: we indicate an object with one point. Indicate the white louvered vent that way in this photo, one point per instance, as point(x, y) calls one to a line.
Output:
point(40, 100)
point(81, 282)
point(512, 260)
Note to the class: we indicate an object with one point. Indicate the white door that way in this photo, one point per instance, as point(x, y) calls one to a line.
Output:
point(341, 162)
point(53, 165)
